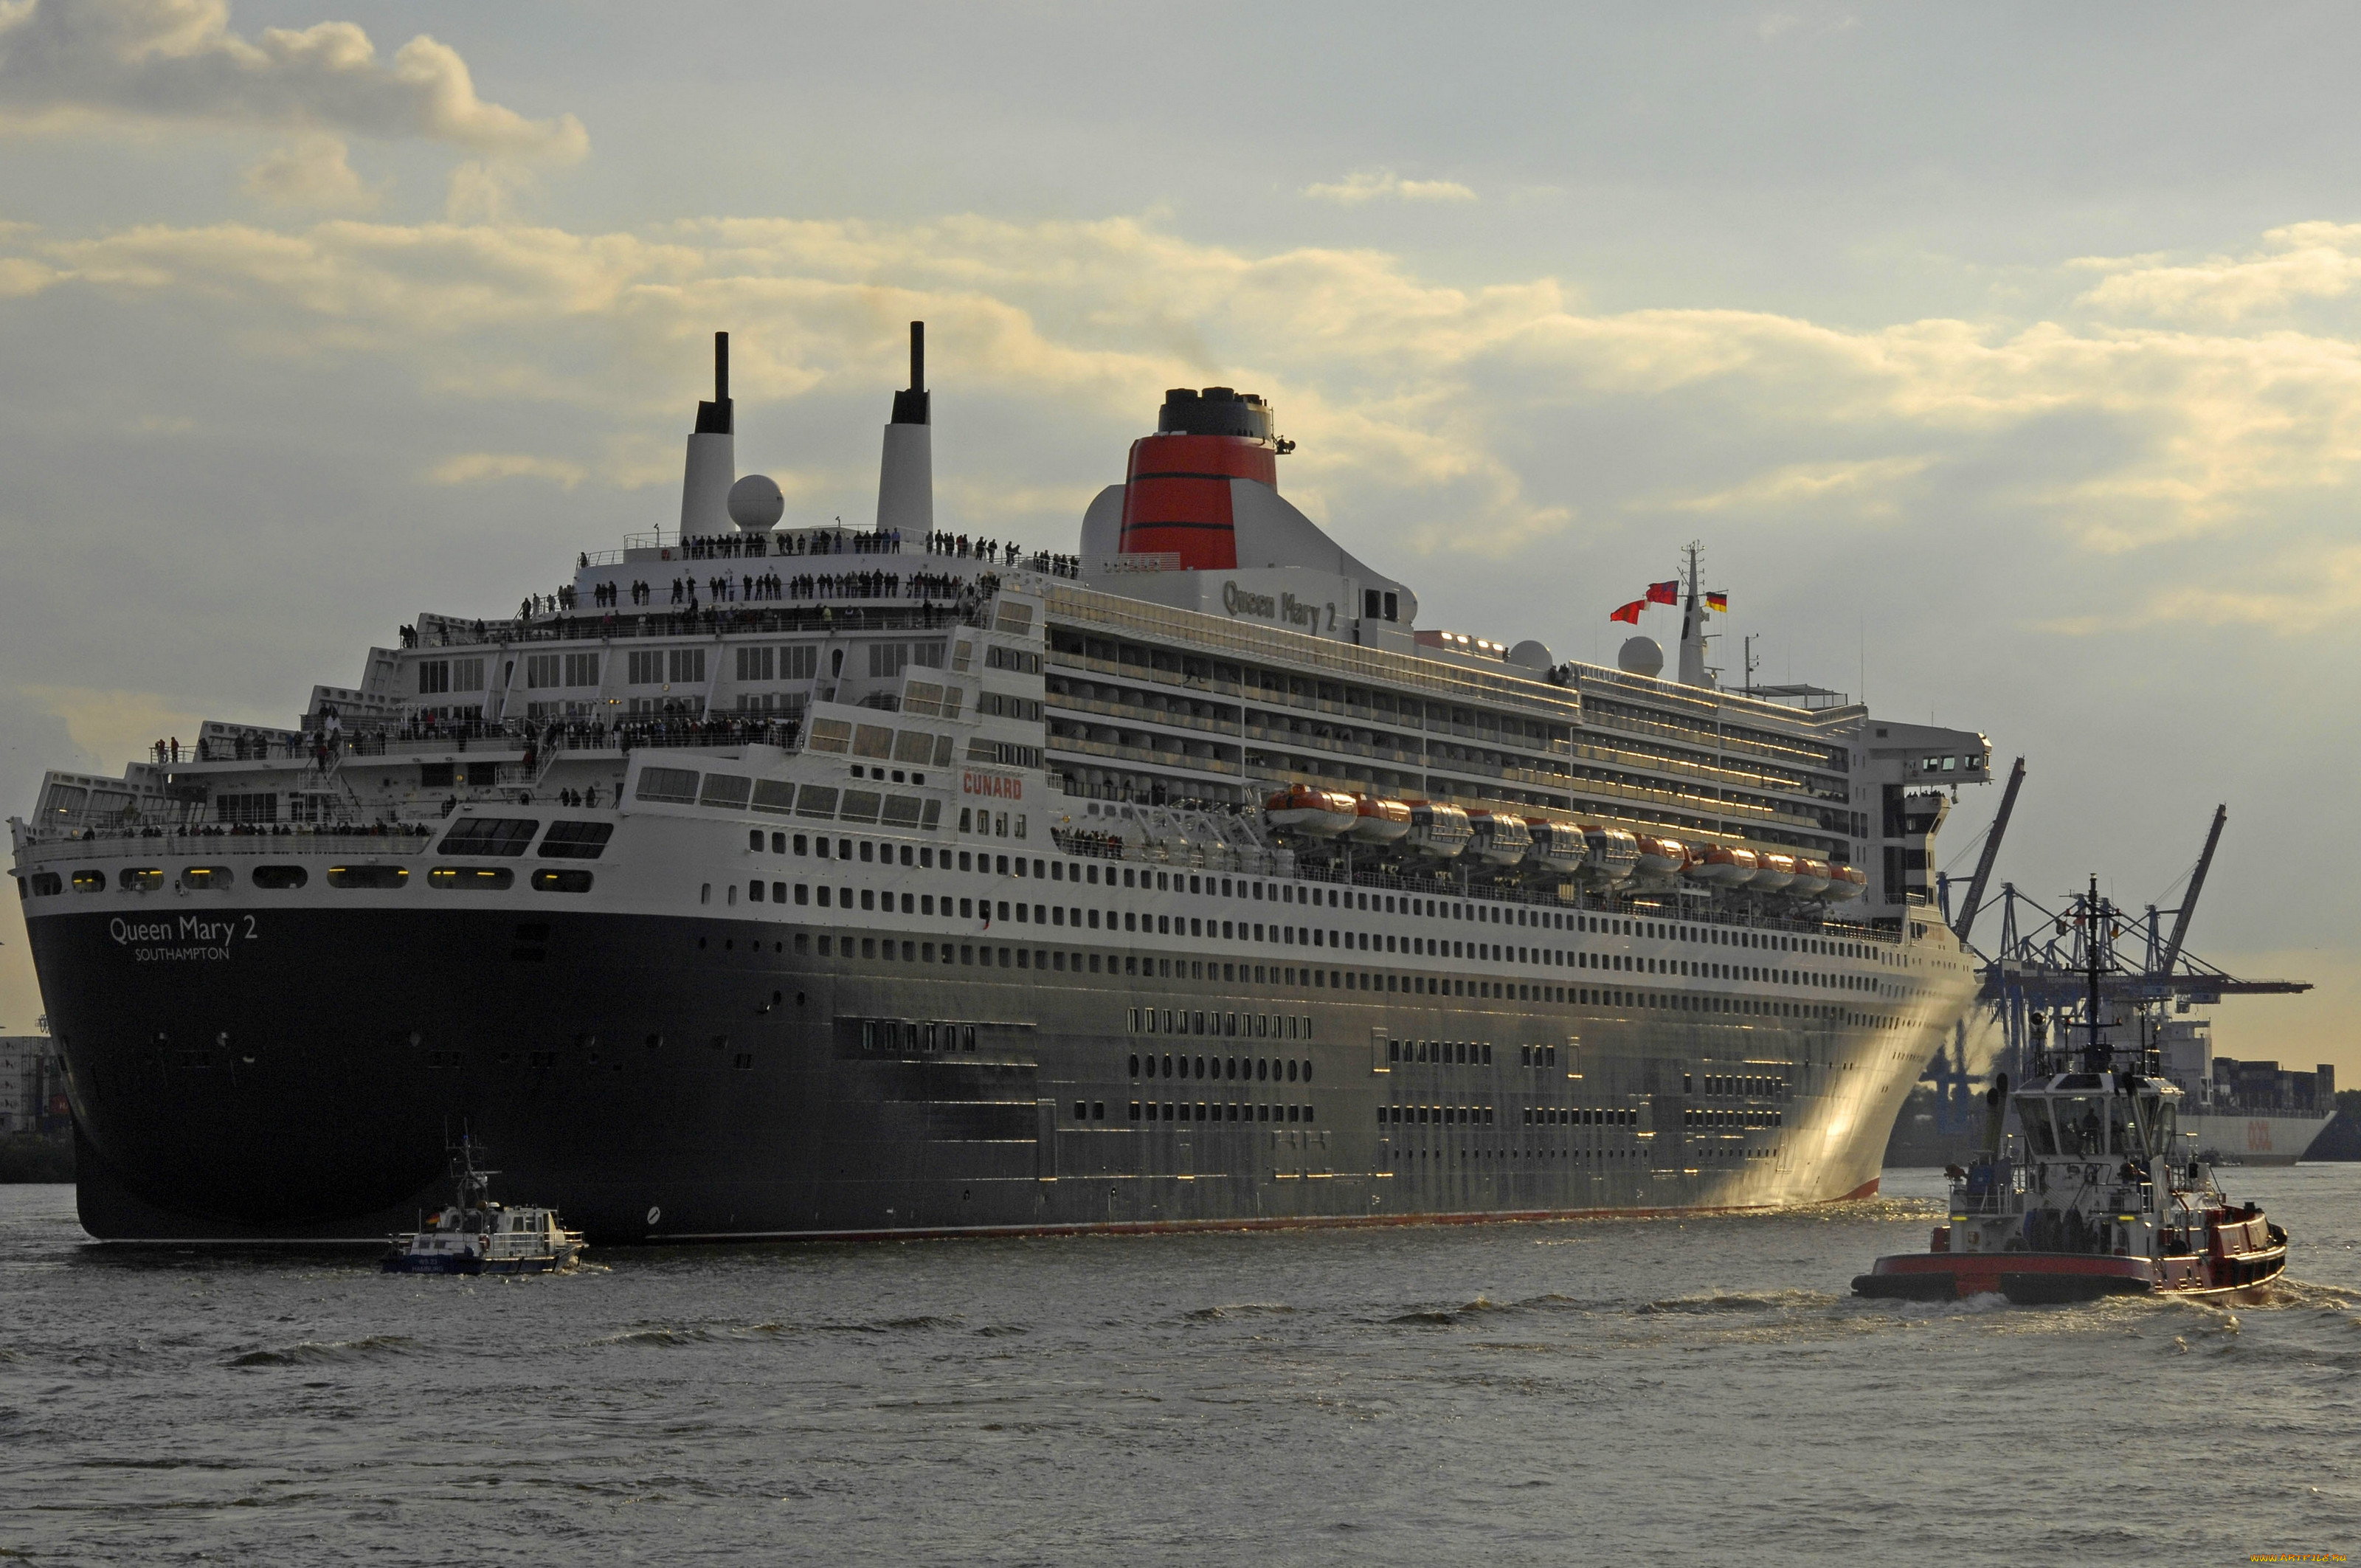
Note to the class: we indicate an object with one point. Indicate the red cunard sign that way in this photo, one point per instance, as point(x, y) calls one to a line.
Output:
point(999, 786)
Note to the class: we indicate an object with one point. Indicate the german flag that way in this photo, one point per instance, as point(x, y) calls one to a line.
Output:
point(1718, 603)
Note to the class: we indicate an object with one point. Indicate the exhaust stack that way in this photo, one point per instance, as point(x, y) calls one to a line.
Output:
point(906, 476)
point(712, 454)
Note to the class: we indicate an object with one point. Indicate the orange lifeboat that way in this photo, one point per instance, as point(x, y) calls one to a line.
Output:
point(1380, 821)
point(1721, 865)
point(1844, 882)
point(1662, 857)
point(1811, 877)
point(1314, 813)
point(1777, 873)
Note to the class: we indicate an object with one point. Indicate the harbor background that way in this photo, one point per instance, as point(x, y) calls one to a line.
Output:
point(1700, 1389)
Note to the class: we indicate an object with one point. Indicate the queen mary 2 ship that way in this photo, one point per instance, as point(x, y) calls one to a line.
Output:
point(763, 881)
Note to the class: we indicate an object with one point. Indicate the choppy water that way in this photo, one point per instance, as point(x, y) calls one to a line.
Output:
point(1697, 1390)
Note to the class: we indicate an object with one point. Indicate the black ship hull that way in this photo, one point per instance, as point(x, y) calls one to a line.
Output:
point(663, 1078)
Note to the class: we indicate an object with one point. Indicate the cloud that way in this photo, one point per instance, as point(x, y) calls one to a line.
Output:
point(2304, 262)
point(75, 61)
point(1434, 405)
point(310, 173)
point(477, 468)
point(1862, 488)
point(113, 727)
point(1384, 184)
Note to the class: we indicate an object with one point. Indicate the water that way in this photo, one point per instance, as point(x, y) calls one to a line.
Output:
point(1700, 1390)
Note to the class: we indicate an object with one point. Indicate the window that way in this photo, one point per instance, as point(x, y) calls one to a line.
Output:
point(575, 841)
point(728, 791)
point(646, 667)
point(561, 879)
point(434, 675)
point(756, 664)
point(480, 879)
point(800, 661)
point(688, 666)
point(198, 879)
point(490, 835)
point(277, 879)
point(674, 784)
point(380, 877)
point(541, 669)
point(582, 669)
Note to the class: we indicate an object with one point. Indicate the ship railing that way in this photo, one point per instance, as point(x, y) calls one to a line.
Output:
point(401, 839)
point(766, 618)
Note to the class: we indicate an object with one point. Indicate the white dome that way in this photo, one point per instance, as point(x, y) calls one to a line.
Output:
point(1640, 656)
point(756, 504)
point(1532, 655)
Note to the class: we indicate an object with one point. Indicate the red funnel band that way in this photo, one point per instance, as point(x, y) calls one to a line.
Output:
point(1177, 496)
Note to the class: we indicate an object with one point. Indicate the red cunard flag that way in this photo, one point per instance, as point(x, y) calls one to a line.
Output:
point(1631, 612)
point(1664, 593)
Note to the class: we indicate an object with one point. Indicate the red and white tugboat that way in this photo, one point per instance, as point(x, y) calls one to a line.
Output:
point(2098, 1193)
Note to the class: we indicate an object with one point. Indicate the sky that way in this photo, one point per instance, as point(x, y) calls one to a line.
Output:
point(2001, 359)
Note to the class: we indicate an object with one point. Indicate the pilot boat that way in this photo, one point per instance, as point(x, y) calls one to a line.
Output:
point(2098, 1193)
point(476, 1235)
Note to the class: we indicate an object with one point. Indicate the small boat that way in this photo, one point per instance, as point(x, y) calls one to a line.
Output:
point(1500, 838)
point(1775, 873)
point(1613, 857)
point(1845, 882)
point(1314, 812)
point(2099, 1193)
point(1380, 821)
point(1438, 832)
point(1723, 865)
point(476, 1235)
point(1557, 846)
point(1812, 878)
point(1662, 857)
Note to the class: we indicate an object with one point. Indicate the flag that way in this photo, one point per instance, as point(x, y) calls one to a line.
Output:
point(1631, 612)
point(1718, 603)
point(1664, 593)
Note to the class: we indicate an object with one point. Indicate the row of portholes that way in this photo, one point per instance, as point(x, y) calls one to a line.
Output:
point(283, 879)
point(1267, 1069)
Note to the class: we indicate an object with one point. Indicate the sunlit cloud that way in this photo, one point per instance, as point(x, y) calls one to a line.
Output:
point(1385, 185)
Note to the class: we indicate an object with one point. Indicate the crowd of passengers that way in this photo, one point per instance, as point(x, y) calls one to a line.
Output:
point(941, 601)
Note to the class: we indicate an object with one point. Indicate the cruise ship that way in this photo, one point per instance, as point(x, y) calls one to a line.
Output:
point(769, 880)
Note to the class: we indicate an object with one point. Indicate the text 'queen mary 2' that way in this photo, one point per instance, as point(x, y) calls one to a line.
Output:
point(766, 882)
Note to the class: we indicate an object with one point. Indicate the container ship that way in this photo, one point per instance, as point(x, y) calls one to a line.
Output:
point(775, 882)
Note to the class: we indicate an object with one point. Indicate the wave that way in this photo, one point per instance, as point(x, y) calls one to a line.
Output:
point(1238, 1310)
point(1737, 1301)
point(326, 1353)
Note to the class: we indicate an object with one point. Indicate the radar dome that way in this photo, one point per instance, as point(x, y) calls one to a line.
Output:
point(756, 504)
point(1532, 655)
point(1640, 656)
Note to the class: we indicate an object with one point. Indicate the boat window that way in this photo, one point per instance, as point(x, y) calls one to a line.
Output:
point(2123, 1137)
point(280, 878)
point(728, 791)
point(41, 884)
point(575, 841)
point(551, 879)
point(90, 882)
point(2034, 1116)
point(2163, 1120)
point(491, 836)
point(483, 879)
point(2079, 1131)
point(205, 878)
point(368, 876)
point(674, 784)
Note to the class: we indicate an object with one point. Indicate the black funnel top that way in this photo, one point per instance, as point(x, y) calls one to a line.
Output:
point(910, 407)
point(713, 417)
point(1216, 410)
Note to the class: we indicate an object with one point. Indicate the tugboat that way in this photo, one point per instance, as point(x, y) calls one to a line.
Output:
point(476, 1235)
point(2099, 1193)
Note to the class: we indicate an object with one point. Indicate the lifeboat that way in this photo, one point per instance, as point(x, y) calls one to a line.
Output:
point(1438, 832)
point(1662, 857)
point(1314, 813)
point(1776, 874)
point(1720, 865)
point(1380, 821)
point(1500, 840)
point(1613, 855)
point(1845, 882)
point(1811, 877)
point(1558, 845)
